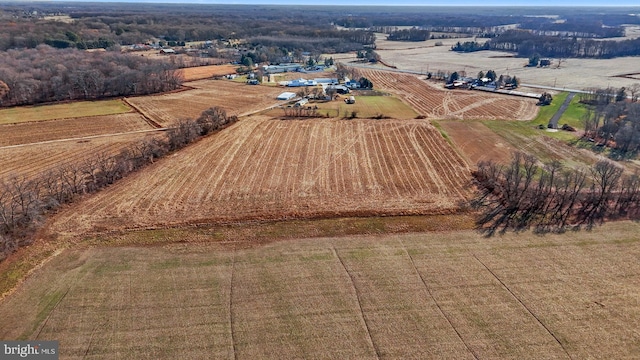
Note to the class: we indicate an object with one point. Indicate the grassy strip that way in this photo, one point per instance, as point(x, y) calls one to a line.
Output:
point(546, 112)
point(62, 111)
point(514, 131)
point(575, 113)
point(257, 233)
point(15, 268)
point(368, 107)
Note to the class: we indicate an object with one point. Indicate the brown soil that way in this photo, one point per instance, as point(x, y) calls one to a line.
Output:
point(261, 168)
point(431, 100)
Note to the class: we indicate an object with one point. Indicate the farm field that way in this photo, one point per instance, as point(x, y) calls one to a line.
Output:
point(62, 111)
point(263, 168)
point(369, 107)
point(434, 102)
point(477, 142)
point(208, 71)
point(423, 295)
point(32, 132)
point(572, 74)
point(237, 99)
point(35, 159)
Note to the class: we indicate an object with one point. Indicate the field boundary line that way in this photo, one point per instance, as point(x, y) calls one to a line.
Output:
point(444, 314)
point(82, 138)
point(355, 289)
point(231, 322)
point(145, 117)
point(86, 352)
point(523, 305)
point(46, 321)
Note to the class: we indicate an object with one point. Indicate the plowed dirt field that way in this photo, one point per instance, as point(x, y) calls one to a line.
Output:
point(235, 98)
point(35, 159)
point(261, 168)
point(204, 72)
point(25, 133)
point(434, 102)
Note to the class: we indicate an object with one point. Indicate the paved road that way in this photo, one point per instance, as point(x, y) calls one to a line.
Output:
point(553, 123)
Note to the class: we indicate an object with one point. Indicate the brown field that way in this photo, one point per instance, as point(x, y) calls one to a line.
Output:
point(208, 71)
point(477, 142)
point(75, 109)
point(235, 98)
point(450, 295)
point(35, 159)
point(32, 132)
point(428, 99)
point(261, 168)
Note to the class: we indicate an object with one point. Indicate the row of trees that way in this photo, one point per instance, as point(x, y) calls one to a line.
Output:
point(24, 201)
point(469, 46)
point(526, 44)
point(30, 76)
point(413, 34)
point(524, 195)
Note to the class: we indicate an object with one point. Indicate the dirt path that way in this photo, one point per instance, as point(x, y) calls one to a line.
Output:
point(553, 123)
point(146, 117)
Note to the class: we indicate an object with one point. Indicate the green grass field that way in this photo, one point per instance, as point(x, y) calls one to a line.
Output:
point(62, 111)
point(369, 107)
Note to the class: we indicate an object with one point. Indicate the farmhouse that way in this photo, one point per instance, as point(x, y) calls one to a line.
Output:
point(286, 96)
point(167, 51)
point(340, 89)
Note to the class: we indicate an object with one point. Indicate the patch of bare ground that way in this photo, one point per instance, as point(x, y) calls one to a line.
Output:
point(422, 295)
point(477, 142)
point(261, 168)
point(547, 149)
point(207, 71)
point(236, 98)
point(434, 102)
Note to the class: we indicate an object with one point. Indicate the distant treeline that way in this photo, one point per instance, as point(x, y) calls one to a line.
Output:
point(527, 44)
point(114, 24)
point(412, 34)
point(46, 74)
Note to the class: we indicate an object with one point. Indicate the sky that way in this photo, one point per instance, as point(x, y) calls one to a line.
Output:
point(536, 3)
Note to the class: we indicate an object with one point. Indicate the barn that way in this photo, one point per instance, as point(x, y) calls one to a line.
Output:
point(286, 96)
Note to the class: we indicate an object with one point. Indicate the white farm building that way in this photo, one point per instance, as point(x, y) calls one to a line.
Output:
point(286, 96)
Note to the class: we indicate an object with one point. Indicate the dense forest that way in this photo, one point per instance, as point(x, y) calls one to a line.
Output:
point(105, 25)
point(29, 76)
